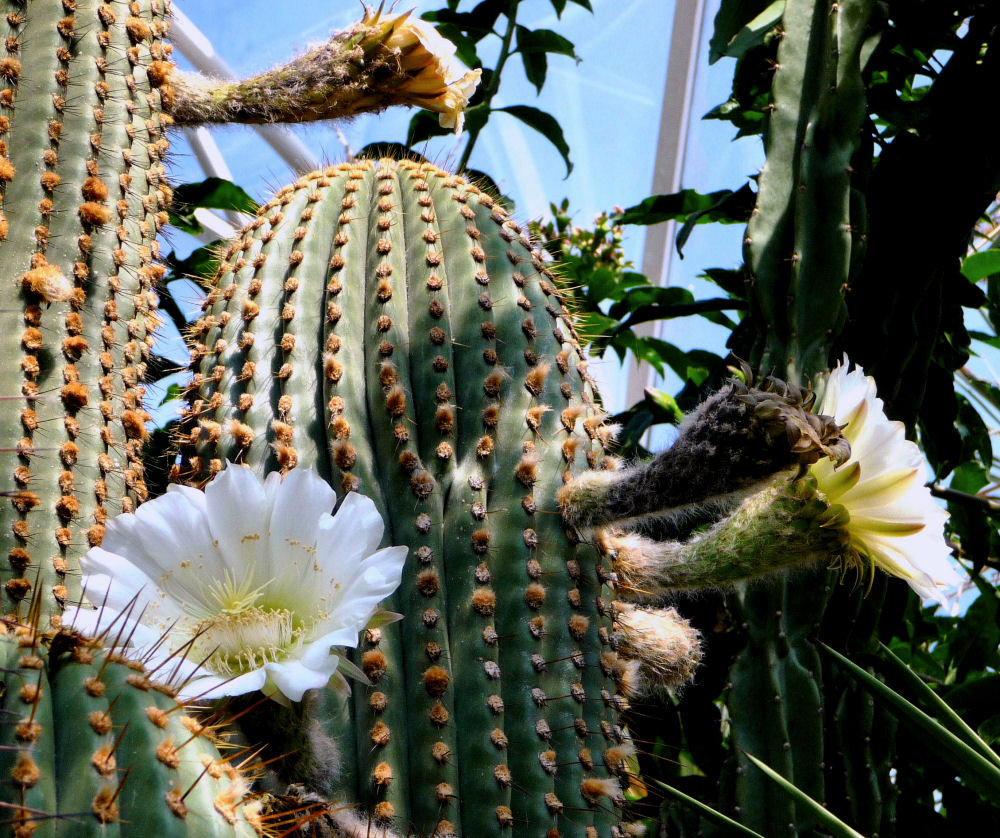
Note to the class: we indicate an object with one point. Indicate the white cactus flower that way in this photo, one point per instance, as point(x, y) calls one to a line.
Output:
point(255, 581)
point(437, 81)
point(894, 522)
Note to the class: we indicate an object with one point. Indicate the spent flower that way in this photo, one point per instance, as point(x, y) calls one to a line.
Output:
point(248, 585)
point(434, 77)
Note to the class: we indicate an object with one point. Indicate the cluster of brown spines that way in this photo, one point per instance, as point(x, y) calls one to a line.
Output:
point(90, 202)
point(575, 714)
point(64, 697)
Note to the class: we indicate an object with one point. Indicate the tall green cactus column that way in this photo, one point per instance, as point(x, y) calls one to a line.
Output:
point(805, 238)
point(445, 382)
point(90, 745)
point(81, 144)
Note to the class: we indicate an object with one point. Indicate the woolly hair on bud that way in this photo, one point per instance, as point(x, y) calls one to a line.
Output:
point(729, 446)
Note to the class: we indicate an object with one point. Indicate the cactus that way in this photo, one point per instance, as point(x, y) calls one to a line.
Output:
point(92, 744)
point(388, 324)
point(88, 739)
point(803, 244)
point(82, 139)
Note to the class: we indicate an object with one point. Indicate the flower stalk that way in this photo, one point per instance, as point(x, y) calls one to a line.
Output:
point(376, 64)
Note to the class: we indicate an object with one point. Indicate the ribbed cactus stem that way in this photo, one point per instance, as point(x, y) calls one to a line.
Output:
point(805, 234)
point(94, 745)
point(83, 199)
point(446, 383)
point(803, 245)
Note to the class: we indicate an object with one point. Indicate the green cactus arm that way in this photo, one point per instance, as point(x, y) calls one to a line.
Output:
point(85, 712)
point(828, 234)
point(754, 683)
point(800, 239)
point(28, 784)
point(95, 747)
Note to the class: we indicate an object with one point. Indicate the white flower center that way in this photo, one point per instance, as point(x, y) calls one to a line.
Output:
point(241, 642)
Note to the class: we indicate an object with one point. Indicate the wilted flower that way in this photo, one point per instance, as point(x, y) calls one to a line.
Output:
point(878, 496)
point(256, 581)
point(435, 78)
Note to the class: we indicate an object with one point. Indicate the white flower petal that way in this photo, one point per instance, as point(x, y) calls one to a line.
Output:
point(212, 686)
point(300, 508)
point(293, 679)
point(347, 537)
point(237, 571)
point(894, 521)
point(379, 576)
point(239, 511)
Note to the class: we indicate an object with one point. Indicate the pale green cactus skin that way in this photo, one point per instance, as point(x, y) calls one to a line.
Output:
point(82, 86)
point(82, 137)
point(92, 745)
point(388, 324)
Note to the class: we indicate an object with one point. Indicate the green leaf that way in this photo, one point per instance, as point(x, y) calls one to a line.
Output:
point(733, 208)
point(834, 824)
point(751, 34)
point(981, 265)
point(946, 716)
point(726, 206)
point(477, 24)
point(211, 193)
point(969, 477)
point(665, 402)
point(545, 124)
point(732, 281)
point(980, 773)
point(202, 264)
point(731, 17)
point(558, 5)
point(533, 45)
point(536, 66)
point(174, 391)
point(649, 295)
point(585, 4)
point(465, 47)
point(423, 126)
point(710, 813)
point(544, 40)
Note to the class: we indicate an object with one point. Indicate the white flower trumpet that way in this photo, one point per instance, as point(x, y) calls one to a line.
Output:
point(246, 586)
point(889, 516)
